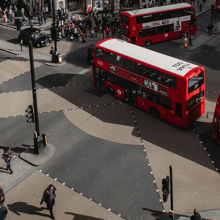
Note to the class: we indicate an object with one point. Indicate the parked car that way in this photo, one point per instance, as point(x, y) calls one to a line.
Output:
point(38, 37)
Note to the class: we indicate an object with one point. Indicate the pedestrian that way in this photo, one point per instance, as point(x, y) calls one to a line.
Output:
point(49, 198)
point(83, 36)
point(21, 44)
point(3, 212)
point(107, 31)
point(195, 215)
point(52, 52)
point(18, 24)
point(2, 196)
point(31, 23)
point(6, 156)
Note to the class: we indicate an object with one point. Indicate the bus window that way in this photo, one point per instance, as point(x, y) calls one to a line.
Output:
point(130, 65)
point(195, 82)
point(165, 102)
point(119, 61)
point(195, 99)
point(153, 96)
point(111, 77)
point(168, 80)
point(99, 53)
point(141, 69)
point(142, 92)
point(124, 19)
point(153, 74)
point(110, 57)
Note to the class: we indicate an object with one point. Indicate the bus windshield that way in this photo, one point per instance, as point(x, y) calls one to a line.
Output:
point(195, 82)
point(124, 19)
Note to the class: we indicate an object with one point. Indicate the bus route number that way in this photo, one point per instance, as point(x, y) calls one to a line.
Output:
point(181, 66)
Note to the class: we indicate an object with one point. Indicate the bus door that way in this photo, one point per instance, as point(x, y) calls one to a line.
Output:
point(100, 78)
point(133, 93)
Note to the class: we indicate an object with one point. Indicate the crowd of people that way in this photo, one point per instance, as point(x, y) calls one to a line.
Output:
point(79, 27)
point(9, 11)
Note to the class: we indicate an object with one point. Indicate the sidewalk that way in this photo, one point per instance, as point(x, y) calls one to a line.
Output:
point(23, 202)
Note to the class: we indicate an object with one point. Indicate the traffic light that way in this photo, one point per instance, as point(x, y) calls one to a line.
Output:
point(165, 188)
point(30, 114)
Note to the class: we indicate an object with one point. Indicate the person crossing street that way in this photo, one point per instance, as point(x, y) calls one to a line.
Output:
point(49, 198)
point(6, 156)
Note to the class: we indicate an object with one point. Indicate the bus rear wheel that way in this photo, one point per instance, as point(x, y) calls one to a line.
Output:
point(154, 112)
point(148, 42)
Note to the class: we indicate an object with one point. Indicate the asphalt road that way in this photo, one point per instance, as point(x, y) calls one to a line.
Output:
point(113, 174)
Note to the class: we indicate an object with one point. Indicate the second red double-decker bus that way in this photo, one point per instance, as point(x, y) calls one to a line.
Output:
point(166, 87)
point(217, 5)
point(151, 25)
point(216, 122)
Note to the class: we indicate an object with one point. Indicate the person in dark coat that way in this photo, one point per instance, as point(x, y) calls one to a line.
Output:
point(195, 215)
point(49, 198)
point(3, 212)
point(6, 156)
point(2, 196)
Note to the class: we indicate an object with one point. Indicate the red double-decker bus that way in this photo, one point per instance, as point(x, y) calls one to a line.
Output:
point(151, 25)
point(166, 87)
point(216, 122)
point(217, 5)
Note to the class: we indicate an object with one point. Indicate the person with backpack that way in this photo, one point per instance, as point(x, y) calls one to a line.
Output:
point(3, 212)
point(195, 215)
point(49, 198)
point(6, 156)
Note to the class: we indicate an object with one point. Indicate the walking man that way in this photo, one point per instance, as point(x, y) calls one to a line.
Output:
point(2, 196)
point(6, 156)
point(3, 212)
point(49, 198)
point(195, 215)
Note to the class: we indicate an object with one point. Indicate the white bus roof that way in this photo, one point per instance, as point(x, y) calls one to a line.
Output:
point(156, 9)
point(162, 61)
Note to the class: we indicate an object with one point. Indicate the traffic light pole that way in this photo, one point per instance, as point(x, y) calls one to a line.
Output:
point(171, 188)
point(54, 27)
point(36, 119)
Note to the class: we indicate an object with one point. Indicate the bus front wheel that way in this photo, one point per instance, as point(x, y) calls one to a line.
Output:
point(148, 42)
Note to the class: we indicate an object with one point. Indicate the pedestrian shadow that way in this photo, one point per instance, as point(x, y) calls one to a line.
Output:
point(158, 215)
point(77, 216)
point(3, 170)
point(22, 207)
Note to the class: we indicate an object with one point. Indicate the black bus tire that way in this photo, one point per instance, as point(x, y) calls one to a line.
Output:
point(148, 42)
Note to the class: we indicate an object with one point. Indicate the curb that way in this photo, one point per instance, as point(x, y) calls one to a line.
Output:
point(36, 160)
point(55, 64)
point(8, 51)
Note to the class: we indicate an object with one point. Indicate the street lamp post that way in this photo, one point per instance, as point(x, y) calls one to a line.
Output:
point(55, 54)
point(54, 27)
point(34, 93)
point(37, 142)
